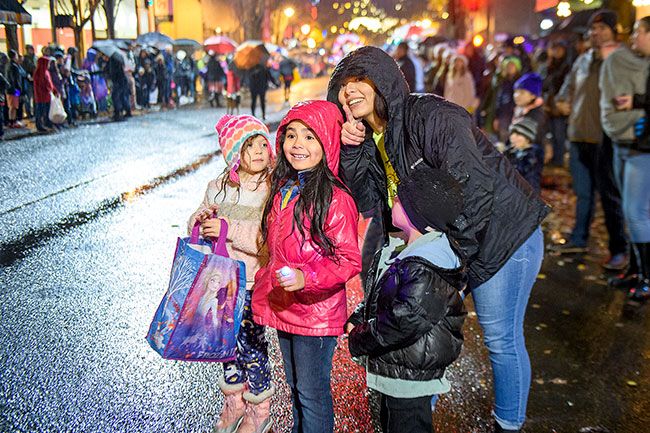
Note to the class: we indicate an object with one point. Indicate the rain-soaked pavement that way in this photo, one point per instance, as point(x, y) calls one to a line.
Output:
point(89, 222)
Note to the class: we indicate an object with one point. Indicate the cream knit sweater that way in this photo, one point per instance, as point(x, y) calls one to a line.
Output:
point(244, 211)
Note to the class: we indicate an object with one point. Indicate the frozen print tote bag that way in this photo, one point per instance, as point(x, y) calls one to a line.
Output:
point(199, 316)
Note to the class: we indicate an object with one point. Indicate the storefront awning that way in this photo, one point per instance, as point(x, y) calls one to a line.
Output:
point(12, 12)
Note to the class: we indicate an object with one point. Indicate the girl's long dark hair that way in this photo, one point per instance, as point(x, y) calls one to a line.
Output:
point(313, 201)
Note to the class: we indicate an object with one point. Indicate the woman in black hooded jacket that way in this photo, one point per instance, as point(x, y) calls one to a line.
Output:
point(389, 135)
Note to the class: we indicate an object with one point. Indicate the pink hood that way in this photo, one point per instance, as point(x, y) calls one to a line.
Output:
point(325, 119)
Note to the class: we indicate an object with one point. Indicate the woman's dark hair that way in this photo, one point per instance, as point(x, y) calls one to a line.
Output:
point(226, 178)
point(313, 202)
point(380, 106)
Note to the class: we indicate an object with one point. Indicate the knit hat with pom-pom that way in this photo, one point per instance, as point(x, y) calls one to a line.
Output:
point(233, 132)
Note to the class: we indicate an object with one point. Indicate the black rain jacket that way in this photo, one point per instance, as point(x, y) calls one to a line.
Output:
point(500, 209)
point(410, 323)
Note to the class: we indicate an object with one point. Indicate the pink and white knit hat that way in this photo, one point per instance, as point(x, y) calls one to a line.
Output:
point(233, 132)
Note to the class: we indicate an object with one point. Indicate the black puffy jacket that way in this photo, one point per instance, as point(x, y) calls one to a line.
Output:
point(500, 209)
point(410, 324)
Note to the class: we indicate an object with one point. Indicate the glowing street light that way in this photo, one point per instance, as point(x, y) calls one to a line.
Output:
point(546, 24)
point(305, 29)
point(311, 43)
point(289, 12)
point(563, 9)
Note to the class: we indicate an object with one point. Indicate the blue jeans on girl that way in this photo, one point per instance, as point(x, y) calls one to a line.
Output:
point(252, 362)
point(308, 367)
point(500, 306)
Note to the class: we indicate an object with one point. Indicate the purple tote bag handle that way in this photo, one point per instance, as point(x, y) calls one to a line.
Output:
point(219, 247)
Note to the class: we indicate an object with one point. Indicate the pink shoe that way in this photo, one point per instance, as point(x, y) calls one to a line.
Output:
point(234, 408)
point(258, 412)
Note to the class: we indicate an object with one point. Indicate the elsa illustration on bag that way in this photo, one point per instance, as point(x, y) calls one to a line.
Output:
point(214, 315)
point(217, 304)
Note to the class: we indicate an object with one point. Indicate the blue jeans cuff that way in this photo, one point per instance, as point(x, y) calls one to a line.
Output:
point(507, 425)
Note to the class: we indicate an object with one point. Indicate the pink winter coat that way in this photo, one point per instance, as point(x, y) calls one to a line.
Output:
point(320, 308)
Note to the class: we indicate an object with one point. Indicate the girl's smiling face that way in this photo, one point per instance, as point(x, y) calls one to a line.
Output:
point(255, 155)
point(301, 146)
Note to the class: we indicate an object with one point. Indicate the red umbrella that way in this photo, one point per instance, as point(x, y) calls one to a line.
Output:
point(220, 44)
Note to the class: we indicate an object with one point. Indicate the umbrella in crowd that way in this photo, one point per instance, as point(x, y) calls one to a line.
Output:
point(187, 43)
point(272, 48)
point(220, 44)
point(577, 22)
point(155, 39)
point(412, 31)
point(250, 54)
point(108, 46)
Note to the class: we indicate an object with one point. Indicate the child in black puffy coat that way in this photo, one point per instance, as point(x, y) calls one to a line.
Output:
point(409, 327)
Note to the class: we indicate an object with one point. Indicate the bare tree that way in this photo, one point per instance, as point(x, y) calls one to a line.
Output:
point(251, 16)
point(82, 11)
point(110, 8)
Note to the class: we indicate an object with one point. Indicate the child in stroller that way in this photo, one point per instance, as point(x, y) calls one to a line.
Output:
point(87, 104)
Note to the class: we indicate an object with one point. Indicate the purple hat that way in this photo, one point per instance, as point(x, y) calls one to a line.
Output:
point(531, 82)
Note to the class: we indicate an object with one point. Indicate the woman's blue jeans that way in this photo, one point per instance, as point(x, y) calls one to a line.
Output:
point(632, 172)
point(500, 305)
point(308, 367)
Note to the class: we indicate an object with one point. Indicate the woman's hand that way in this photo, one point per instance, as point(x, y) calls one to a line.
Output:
point(349, 327)
point(623, 102)
point(207, 213)
point(353, 131)
point(210, 228)
point(290, 279)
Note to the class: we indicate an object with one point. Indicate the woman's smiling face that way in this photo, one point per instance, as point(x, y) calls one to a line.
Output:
point(301, 146)
point(358, 94)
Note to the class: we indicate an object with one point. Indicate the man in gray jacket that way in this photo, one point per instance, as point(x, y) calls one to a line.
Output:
point(590, 150)
point(623, 72)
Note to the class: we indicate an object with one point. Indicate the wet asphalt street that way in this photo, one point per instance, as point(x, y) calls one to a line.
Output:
point(89, 222)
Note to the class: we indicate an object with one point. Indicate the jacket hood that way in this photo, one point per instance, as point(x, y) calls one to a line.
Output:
point(325, 119)
point(43, 62)
point(380, 68)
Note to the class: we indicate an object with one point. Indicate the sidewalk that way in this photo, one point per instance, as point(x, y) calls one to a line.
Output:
point(276, 109)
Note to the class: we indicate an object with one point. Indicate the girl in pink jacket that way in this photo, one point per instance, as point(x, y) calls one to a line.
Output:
point(310, 229)
point(238, 196)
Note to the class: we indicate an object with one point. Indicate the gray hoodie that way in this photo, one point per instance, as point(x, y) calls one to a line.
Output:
point(622, 73)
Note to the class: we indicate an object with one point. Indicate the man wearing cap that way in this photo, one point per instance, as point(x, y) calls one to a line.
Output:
point(590, 150)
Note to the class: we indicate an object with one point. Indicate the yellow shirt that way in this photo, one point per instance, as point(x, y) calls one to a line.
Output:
point(391, 175)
